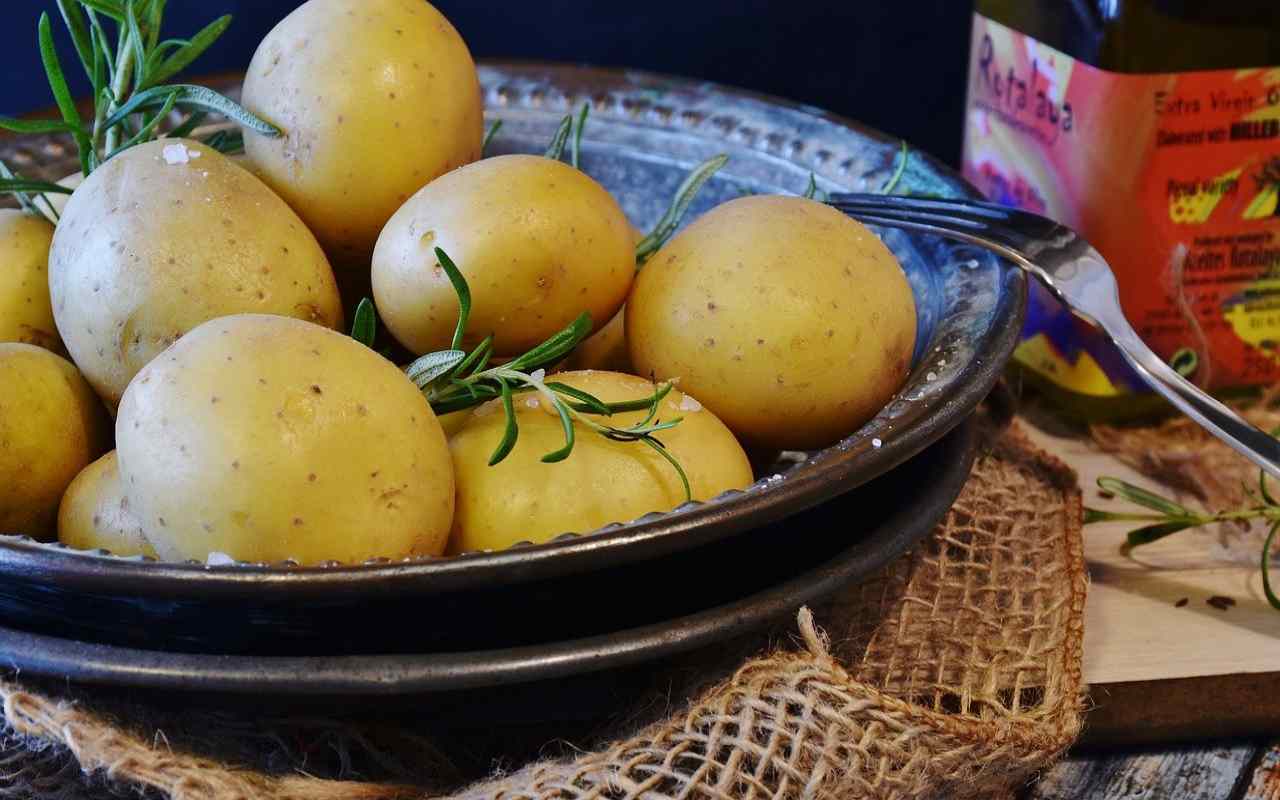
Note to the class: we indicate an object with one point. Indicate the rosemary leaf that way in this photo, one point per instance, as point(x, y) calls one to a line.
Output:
point(226, 142)
point(12, 185)
point(144, 133)
point(191, 51)
point(575, 145)
point(488, 137)
point(555, 348)
point(566, 422)
point(137, 42)
point(463, 291)
point(1152, 533)
point(1264, 491)
point(1266, 566)
point(426, 370)
point(901, 169)
point(155, 13)
point(198, 97)
point(556, 149)
point(1144, 498)
point(479, 356)
point(111, 8)
point(61, 92)
point(661, 450)
point(184, 129)
point(588, 402)
point(35, 125)
point(364, 324)
point(684, 197)
point(811, 191)
point(73, 18)
point(512, 431)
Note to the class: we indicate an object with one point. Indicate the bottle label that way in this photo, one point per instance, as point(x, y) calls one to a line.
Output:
point(1175, 178)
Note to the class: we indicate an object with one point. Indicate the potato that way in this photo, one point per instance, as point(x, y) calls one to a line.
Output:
point(538, 241)
point(59, 201)
point(602, 481)
point(606, 349)
point(164, 237)
point(25, 313)
point(268, 438)
point(376, 97)
point(95, 513)
point(794, 323)
point(51, 427)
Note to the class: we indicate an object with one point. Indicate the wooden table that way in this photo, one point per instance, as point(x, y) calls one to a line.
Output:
point(1204, 681)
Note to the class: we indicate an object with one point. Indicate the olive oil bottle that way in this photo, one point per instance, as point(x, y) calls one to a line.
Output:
point(1153, 127)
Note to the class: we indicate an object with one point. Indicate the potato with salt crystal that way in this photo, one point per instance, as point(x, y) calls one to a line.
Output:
point(95, 513)
point(602, 481)
point(538, 241)
point(51, 427)
point(26, 314)
point(266, 438)
point(165, 236)
point(376, 98)
point(791, 321)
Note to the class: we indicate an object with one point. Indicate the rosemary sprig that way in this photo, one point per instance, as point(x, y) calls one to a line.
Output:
point(454, 380)
point(666, 225)
point(1169, 517)
point(127, 72)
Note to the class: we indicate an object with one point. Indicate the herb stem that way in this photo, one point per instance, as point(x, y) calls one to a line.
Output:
point(119, 91)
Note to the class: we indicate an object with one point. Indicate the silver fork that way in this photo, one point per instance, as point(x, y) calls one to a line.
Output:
point(1079, 276)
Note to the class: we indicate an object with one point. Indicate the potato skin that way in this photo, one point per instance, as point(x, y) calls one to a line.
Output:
point(147, 250)
point(268, 438)
point(602, 481)
point(791, 321)
point(377, 98)
point(26, 314)
point(95, 513)
point(51, 426)
point(538, 241)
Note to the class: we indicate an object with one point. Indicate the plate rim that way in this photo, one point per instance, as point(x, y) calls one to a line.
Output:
point(950, 461)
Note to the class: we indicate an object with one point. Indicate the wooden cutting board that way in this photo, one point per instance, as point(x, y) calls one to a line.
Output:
point(1161, 669)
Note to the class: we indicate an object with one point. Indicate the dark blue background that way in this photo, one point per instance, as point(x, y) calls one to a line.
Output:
point(898, 66)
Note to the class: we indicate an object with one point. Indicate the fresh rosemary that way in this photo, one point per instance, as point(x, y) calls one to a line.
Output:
point(127, 70)
point(1170, 517)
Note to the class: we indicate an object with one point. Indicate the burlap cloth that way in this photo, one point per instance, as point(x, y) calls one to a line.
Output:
point(955, 673)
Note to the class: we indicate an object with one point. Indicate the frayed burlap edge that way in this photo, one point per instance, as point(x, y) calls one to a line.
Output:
point(791, 724)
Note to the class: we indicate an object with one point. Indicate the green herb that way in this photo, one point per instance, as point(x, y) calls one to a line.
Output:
point(555, 150)
point(666, 225)
point(575, 144)
point(488, 137)
point(454, 380)
point(901, 170)
point(127, 72)
point(812, 192)
point(1168, 517)
point(1184, 362)
point(364, 325)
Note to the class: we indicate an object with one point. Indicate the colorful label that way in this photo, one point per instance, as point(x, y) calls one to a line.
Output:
point(1175, 178)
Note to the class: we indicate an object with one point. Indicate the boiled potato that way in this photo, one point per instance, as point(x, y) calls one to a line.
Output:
point(25, 313)
point(95, 513)
point(376, 97)
point(51, 427)
point(165, 236)
point(606, 349)
point(538, 241)
point(791, 321)
point(602, 481)
point(267, 438)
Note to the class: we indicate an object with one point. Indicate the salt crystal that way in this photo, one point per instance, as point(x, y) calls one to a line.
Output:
point(794, 456)
point(876, 443)
point(175, 154)
point(687, 403)
point(932, 376)
point(531, 402)
point(538, 374)
point(217, 559)
point(194, 153)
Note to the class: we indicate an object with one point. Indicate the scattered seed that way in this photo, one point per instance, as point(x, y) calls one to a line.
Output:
point(1221, 602)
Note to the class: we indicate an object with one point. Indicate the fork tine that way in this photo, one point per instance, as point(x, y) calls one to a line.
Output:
point(937, 204)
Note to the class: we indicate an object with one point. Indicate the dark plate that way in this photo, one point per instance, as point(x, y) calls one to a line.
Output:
point(646, 132)
point(821, 551)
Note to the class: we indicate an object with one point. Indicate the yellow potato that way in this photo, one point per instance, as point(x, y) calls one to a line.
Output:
point(266, 438)
point(377, 97)
point(794, 323)
point(51, 427)
point(25, 312)
point(602, 481)
point(606, 349)
point(95, 513)
point(538, 241)
point(165, 236)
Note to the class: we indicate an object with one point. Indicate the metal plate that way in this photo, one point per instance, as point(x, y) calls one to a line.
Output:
point(878, 524)
point(646, 132)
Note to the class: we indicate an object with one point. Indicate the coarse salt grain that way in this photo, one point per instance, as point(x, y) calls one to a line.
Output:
point(217, 559)
point(876, 442)
point(538, 374)
point(531, 402)
point(932, 376)
point(175, 154)
point(687, 403)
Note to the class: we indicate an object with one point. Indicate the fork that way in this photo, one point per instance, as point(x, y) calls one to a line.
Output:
point(1078, 276)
